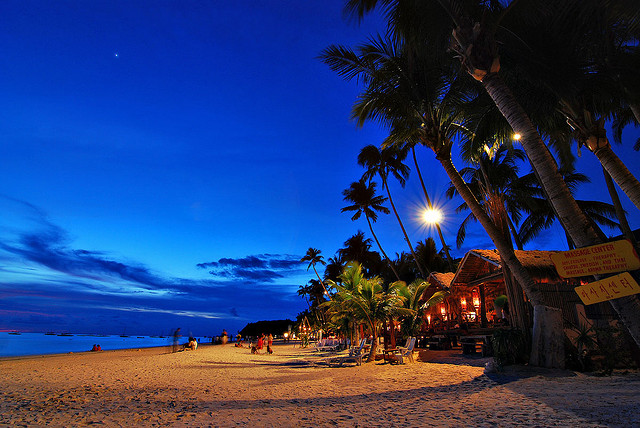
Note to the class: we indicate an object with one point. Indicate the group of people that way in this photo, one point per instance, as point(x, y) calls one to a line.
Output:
point(255, 349)
point(191, 345)
point(96, 348)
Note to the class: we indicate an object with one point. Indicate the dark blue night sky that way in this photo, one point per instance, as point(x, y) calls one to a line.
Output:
point(167, 163)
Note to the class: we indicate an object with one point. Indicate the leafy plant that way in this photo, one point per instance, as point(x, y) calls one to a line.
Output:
point(509, 347)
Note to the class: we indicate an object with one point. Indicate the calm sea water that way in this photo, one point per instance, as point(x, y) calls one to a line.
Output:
point(12, 345)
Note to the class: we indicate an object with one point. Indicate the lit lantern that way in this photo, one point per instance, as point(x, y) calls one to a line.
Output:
point(443, 311)
point(428, 319)
point(476, 298)
point(463, 304)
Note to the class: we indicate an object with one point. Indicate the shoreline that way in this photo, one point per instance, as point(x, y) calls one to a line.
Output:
point(221, 385)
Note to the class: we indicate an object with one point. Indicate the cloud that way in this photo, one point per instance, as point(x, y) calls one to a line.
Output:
point(92, 291)
point(255, 268)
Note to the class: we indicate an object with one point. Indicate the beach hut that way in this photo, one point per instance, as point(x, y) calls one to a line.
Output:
point(481, 279)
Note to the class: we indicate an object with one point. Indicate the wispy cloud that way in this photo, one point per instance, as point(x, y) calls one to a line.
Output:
point(45, 276)
point(255, 268)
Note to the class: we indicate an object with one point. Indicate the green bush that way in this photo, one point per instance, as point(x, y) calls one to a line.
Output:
point(509, 347)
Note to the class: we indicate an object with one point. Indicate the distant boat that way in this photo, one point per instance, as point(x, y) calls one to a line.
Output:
point(17, 333)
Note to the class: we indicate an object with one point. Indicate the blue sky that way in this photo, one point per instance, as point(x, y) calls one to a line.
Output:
point(143, 139)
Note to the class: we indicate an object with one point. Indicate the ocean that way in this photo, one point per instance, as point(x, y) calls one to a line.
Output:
point(22, 344)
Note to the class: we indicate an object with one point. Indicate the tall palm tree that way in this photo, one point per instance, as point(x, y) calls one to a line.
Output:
point(365, 201)
point(383, 163)
point(445, 247)
point(313, 257)
point(473, 27)
point(334, 267)
point(496, 184)
point(418, 106)
point(357, 248)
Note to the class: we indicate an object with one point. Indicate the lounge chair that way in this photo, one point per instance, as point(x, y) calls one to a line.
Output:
point(355, 355)
point(405, 352)
point(328, 345)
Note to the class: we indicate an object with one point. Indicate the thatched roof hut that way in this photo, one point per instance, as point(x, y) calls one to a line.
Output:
point(482, 269)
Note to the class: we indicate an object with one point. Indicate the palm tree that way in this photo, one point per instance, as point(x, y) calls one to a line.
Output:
point(365, 201)
point(383, 163)
point(417, 108)
point(313, 256)
point(357, 248)
point(334, 267)
point(412, 295)
point(445, 247)
point(473, 26)
point(368, 301)
point(497, 185)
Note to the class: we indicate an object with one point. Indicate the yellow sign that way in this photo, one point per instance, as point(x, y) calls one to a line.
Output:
point(608, 289)
point(611, 257)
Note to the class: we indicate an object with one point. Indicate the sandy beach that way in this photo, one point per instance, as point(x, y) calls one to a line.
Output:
point(228, 386)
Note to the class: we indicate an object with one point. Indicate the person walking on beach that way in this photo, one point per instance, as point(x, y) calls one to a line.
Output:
point(270, 344)
point(176, 338)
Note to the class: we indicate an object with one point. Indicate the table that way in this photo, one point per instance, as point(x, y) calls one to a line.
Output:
point(469, 343)
point(388, 352)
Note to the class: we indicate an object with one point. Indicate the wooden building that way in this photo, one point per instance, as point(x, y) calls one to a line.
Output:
point(480, 280)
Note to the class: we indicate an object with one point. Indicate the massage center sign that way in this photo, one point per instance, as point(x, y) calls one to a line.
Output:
point(611, 257)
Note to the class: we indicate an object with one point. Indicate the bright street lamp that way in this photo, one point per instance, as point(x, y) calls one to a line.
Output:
point(432, 216)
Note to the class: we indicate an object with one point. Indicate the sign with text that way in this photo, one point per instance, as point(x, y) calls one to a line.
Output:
point(608, 289)
point(611, 257)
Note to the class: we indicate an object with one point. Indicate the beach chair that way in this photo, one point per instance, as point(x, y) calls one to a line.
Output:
point(355, 355)
point(328, 345)
point(405, 353)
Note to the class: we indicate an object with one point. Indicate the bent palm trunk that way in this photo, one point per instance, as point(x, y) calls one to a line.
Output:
point(570, 215)
point(619, 172)
point(540, 345)
point(380, 246)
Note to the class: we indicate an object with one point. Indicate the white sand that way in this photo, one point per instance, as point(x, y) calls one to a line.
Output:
point(227, 386)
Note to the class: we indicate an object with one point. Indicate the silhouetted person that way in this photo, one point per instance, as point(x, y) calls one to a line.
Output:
point(176, 338)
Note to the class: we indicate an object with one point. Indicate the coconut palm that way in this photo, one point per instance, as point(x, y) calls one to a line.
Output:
point(357, 248)
point(383, 163)
point(473, 26)
point(365, 201)
point(313, 257)
point(368, 301)
point(417, 108)
point(412, 293)
point(496, 184)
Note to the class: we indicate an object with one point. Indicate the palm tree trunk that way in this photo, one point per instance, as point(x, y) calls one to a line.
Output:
point(381, 250)
point(570, 215)
point(540, 345)
point(426, 195)
point(504, 248)
point(544, 165)
point(622, 218)
point(321, 282)
point(620, 173)
point(635, 109)
point(406, 237)
point(514, 233)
